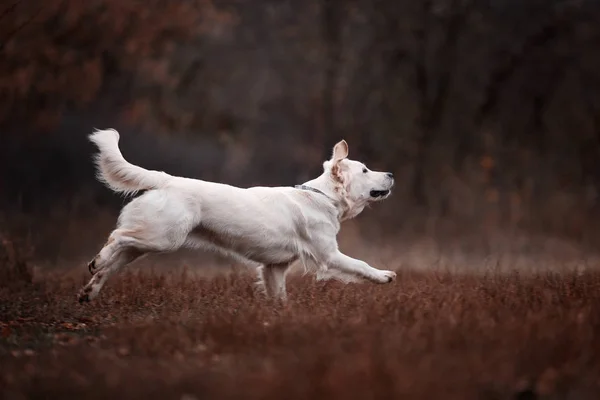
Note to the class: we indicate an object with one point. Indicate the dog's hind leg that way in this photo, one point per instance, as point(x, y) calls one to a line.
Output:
point(272, 278)
point(105, 255)
point(91, 290)
point(154, 222)
point(119, 250)
point(123, 247)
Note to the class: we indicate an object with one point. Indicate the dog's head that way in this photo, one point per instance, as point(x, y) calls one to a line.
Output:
point(354, 183)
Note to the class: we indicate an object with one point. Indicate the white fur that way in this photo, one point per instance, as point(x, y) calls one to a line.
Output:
point(270, 227)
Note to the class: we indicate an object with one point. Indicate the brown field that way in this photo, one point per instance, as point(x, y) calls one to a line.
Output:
point(177, 335)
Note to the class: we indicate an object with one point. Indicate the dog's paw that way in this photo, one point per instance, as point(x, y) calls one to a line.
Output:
point(84, 295)
point(386, 276)
point(83, 298)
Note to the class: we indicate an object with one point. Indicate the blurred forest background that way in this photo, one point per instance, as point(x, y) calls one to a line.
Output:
point(487, 111)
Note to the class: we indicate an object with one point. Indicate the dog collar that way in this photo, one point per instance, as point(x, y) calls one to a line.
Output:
point(312, 189)
point(335, 203)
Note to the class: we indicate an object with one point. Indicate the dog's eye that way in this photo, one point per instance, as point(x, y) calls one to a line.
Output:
point(365, 170)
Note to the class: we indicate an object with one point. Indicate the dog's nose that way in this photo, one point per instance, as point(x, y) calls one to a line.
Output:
point(390, 175)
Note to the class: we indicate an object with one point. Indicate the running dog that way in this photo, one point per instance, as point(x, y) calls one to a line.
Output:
point(271, 227)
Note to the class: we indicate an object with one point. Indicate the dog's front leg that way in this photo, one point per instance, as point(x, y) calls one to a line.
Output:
point(352, 266)
point(272, 279)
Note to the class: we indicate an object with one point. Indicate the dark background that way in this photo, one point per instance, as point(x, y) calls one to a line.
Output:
point(487, 112)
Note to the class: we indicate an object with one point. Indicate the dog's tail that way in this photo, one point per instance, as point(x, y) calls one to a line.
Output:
point(116, 172)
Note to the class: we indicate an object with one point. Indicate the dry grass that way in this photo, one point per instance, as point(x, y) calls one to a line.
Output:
point(428, 336)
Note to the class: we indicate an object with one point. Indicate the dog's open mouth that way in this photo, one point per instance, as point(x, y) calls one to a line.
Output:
point(379, 193)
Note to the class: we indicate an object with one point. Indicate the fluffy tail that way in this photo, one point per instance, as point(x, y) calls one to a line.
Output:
point(116, 172)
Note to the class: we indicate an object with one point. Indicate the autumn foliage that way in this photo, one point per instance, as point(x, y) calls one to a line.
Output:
point(60, 54)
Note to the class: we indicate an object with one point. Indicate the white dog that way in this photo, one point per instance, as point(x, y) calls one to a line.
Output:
point(269, 226)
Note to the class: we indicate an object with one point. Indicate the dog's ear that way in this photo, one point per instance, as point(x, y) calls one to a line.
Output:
point(340, 151)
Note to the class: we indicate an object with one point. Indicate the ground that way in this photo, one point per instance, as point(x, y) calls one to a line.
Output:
point(177, 335)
